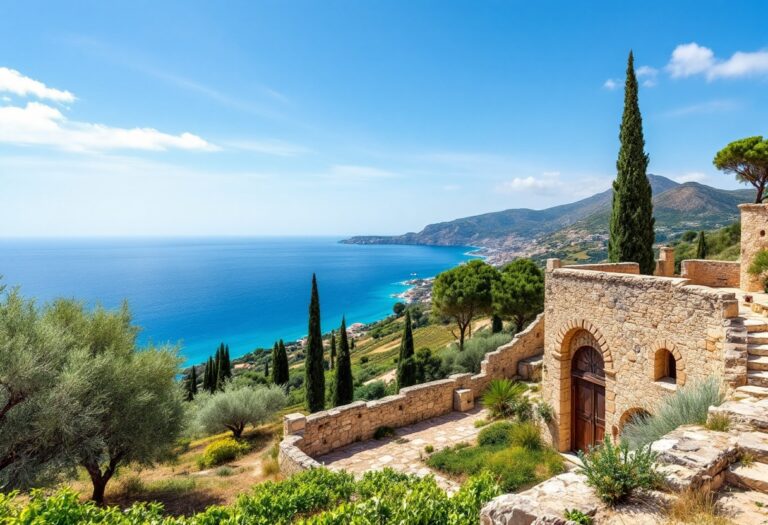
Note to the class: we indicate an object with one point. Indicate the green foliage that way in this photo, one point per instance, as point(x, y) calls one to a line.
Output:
point(615, 472)
point(314, 382)
point(513, 453)
point(398, 308)
point(429, 449)
point(747, 159)
point(371, 391)
point(463, 292)
point(221, 451)
point(688, 406)
point(719, 422)
point(502, 396)
point(497, 325)
point(406, 368)
point(383, 432)
point(701, 246)
point(631, 224)
point(496, 434)
point(428, 366)
point(332, 359)
point(280, 369)
point(545, 411)
point(519, 292)
point(456, 361)
point(722, 245)
point(237, 407)
point(759, 267)
point(577, 516)
point(343, 387)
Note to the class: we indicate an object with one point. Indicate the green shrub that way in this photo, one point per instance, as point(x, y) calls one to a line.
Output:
point(178, 485)
point(371, 391)
point(502, 396)
point(759, 267)
point(455, 361)
point(545, 411)
point(383, 432)
point(364, 359)
point(688, 406)
point(221, 451)
point(496, 434)
point(526, 435)
point(429, 449)
point(577, 516)
point(719, 423)
point(615, 472)
point(224, 471)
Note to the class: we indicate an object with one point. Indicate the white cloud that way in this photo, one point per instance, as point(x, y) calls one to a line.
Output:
point(648, 74)
point(693, 176)
point(693, 59)
point(40, 124)
point(610, 84)
point(11, 81)
point(544, 183)
point(278, 148)
point(352, 172)
point(711, 106)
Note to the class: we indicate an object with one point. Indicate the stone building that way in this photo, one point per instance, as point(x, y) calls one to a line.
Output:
point(617, 342)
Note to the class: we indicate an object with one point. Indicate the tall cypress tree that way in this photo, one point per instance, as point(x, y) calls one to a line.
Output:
point(631, 224)
point(217, 362)
point(282, 364)
point(406, 368)
point(193, 382)
point(275, 367)
point(497, 325)
point(344, 388)
point(226, 362)
point(314, 379)
point(206, 377)
point(701, 247)
point(333, 349)
point(266, 369)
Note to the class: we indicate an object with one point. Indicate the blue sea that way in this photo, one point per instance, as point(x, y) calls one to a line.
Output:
point(246, 292)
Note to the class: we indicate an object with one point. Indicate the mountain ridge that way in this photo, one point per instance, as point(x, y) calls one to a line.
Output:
point(677, 207)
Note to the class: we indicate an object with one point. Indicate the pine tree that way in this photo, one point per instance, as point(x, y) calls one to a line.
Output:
point(701, 247)
point(406, 368)
point(631, 224)
point(497, 325)
point(282, 365)
point(344, 386)
point(314, 380)
point(333, 349)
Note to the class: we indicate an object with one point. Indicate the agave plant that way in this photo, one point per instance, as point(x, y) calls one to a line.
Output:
point(502, 396)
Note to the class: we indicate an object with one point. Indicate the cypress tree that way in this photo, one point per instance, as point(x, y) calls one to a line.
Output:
point(217, 362)
point(631, 224)
point(314, 380)
point(701, 247)
point(351, 343)
point(497, 325)
point(406, 368)
point(333, 349)
point(282, 364)
point(344, 387)
point(218, 382)
point(191, 384)
point(226, 362)
point(206, 376)
point(266, 369)
point(275, 366)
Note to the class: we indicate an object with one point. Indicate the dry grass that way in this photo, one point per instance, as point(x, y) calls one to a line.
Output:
point(696, 506)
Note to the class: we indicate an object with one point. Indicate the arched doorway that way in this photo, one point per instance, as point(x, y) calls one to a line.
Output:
point(588, 398)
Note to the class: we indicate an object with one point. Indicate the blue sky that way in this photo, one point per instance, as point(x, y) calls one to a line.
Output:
point(304, 118)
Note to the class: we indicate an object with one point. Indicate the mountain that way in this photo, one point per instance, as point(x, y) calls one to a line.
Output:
point(677, 207)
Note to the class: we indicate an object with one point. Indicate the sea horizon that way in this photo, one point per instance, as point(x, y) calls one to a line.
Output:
point(199, 291)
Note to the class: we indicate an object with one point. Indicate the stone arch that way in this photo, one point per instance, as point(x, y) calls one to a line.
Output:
point(580, 332)
point(626, 417)
point(660, 352)
point(572, 336)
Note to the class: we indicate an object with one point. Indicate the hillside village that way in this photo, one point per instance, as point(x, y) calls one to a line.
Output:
point(596, 368)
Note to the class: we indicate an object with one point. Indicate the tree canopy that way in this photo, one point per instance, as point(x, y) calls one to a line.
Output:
point(406, 367)
point(343, 392)
point(314, 378)
point(518, 294)
point(463, 292)
point(748, 159)
point(237, 407)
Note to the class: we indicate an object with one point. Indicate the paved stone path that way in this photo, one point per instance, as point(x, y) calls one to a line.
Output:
point(405, 452)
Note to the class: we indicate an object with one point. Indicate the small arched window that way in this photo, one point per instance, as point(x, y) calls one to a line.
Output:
point(665, 367)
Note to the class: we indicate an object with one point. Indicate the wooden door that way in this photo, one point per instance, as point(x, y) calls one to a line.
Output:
point(588, 398)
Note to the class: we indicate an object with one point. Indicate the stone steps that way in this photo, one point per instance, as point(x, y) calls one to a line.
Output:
point(757, 362)
point(757, 338)
point(530, 369)
point(750, 414)
point(752, 391)
point(757, 378)
point(756, 325)
point(752, 477)
point(755, 444)
point(757, 349)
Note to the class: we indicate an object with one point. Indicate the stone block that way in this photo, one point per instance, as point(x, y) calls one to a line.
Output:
point(463, 400)
point(294, 423)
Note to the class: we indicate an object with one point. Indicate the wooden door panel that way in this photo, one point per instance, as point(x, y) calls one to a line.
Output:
point(588, 421)
point(599, 415)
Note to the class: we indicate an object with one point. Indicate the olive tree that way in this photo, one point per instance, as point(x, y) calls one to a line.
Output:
point(464, 292)
point(236, 407)
point(748, 160)
point(518, 294)
point(132, 396)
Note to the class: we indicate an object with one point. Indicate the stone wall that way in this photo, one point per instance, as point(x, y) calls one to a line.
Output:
point(624, 267)
point(722, 274)
point(629, 318)
point(323, 432)
point(754, 225)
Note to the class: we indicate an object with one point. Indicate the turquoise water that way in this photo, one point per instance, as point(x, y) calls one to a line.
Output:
point(246, 292)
